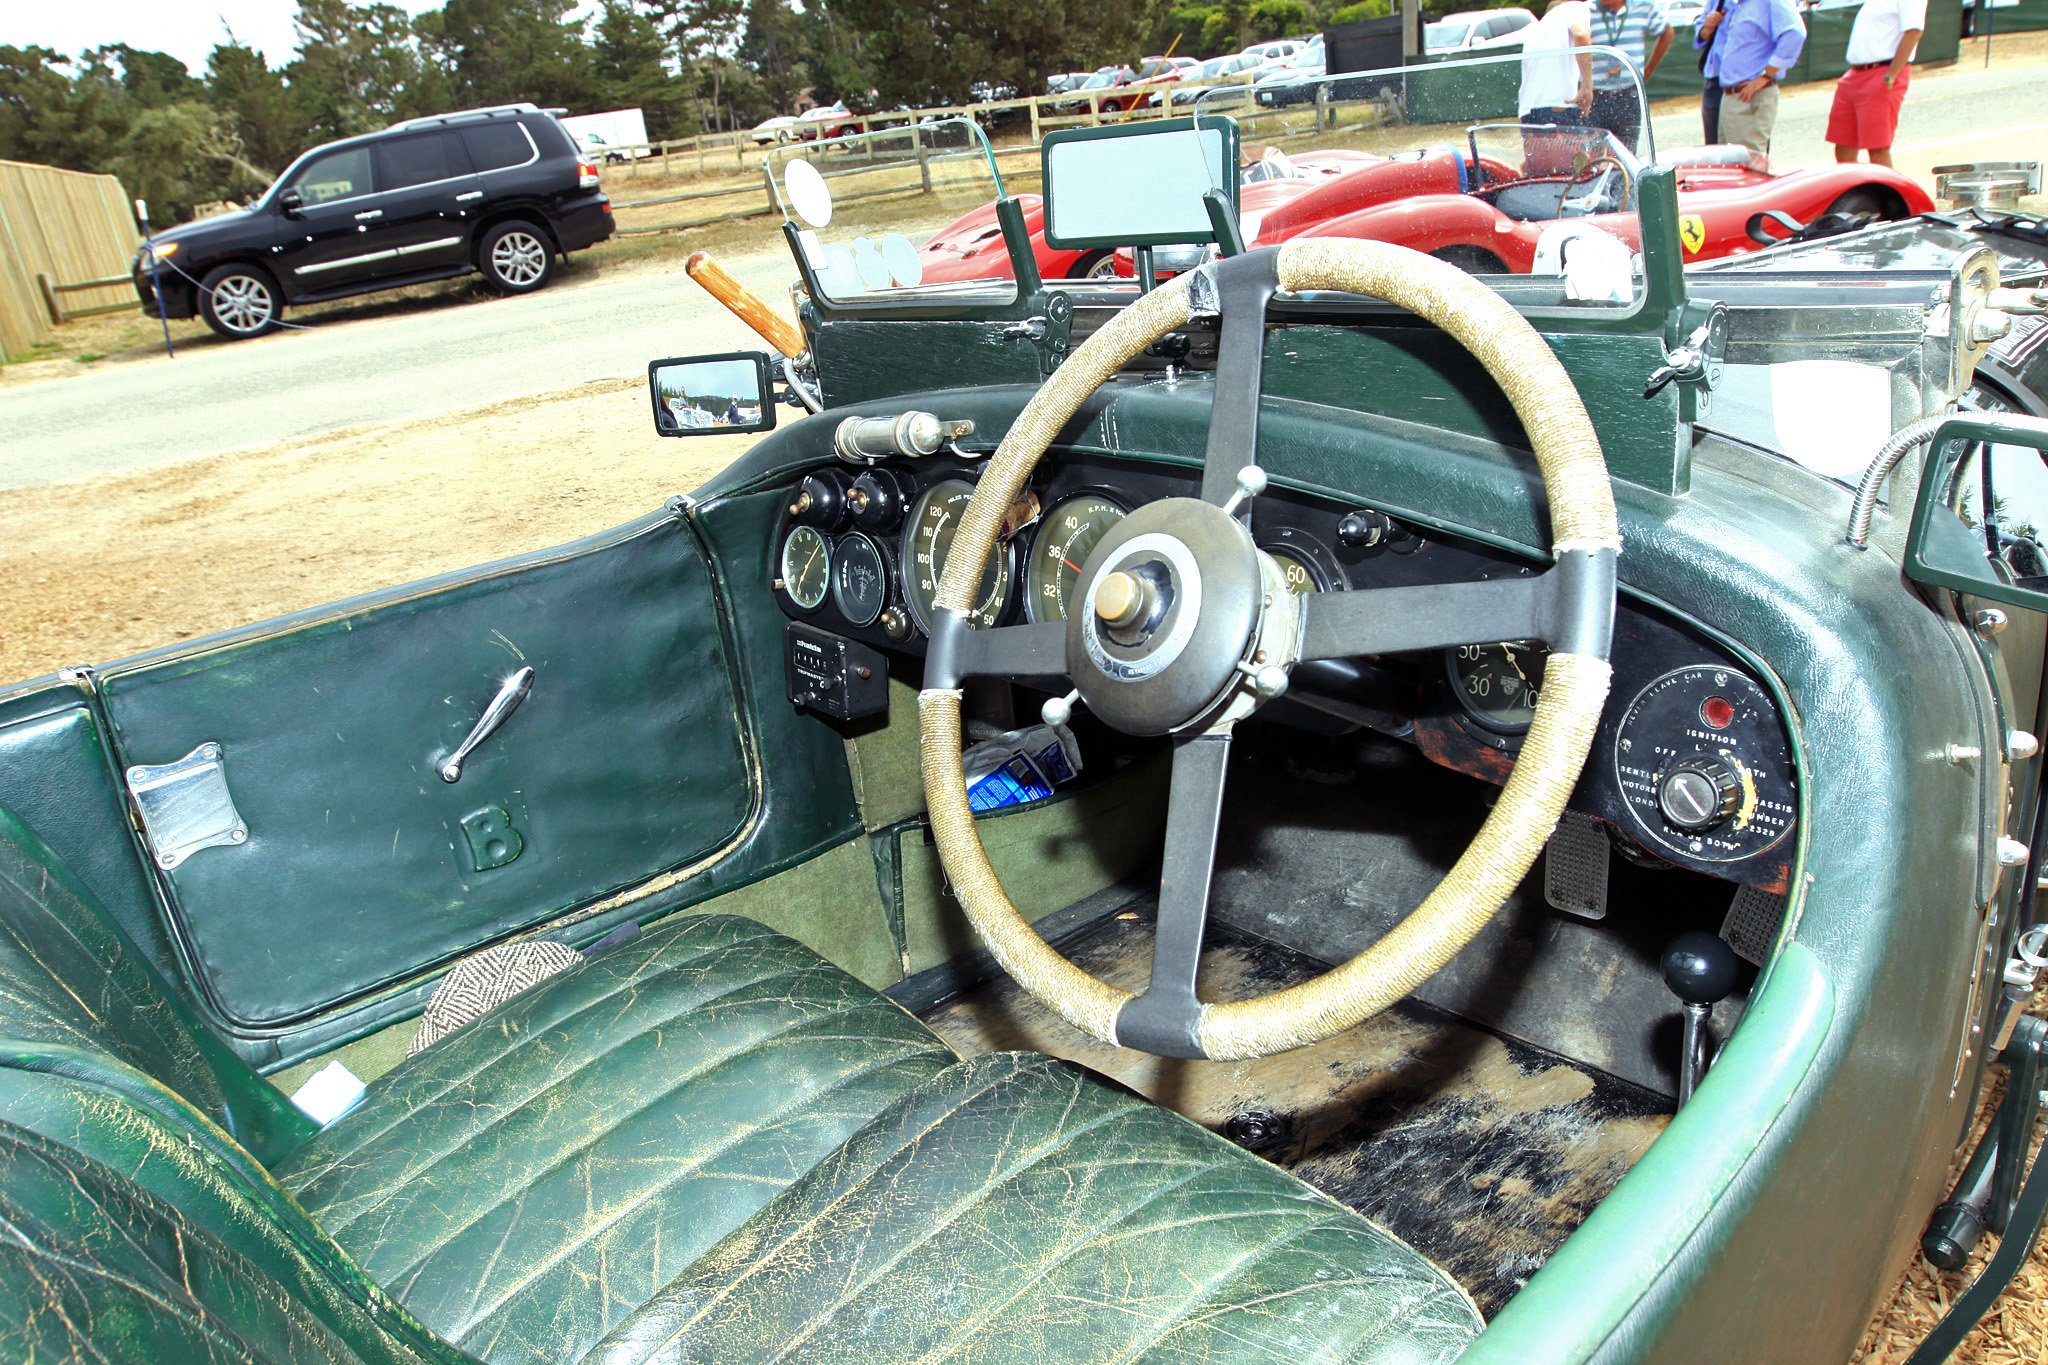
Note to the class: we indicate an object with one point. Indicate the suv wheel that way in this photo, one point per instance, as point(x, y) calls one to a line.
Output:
point(239, 301)
point(517, 258)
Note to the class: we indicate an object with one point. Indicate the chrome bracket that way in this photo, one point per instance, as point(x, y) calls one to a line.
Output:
point(185, 806)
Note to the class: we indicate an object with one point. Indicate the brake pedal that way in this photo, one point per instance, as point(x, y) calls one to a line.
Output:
point(1752, 924)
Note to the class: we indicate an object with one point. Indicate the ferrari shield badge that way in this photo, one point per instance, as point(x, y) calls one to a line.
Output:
point(1692, 230)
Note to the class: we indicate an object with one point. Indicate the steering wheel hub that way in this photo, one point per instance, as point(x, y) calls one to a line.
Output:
point(1169, 602)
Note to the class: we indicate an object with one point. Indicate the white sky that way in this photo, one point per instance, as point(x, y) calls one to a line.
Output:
point(187, 29)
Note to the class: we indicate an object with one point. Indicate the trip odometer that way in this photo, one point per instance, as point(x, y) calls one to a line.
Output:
point(1065, 537)
point(934, 519)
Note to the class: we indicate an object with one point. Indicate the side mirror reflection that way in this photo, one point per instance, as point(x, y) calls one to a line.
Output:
point(290, 203)
point(1983, 503)
point(712, 395)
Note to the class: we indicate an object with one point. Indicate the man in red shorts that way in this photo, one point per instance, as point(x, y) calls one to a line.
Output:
point(1867, 98)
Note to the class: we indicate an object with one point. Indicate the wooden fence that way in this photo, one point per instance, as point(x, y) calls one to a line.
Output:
point(70, 226)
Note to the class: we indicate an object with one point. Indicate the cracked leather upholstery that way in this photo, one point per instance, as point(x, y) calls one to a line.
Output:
point(706, 1144)
point(127, 1235)
point(532, 1179)
point(69, 976)
point(1017, 1208)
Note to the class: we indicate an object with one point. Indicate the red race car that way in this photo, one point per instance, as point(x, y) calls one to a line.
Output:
point(971, 247)
point(1476, 208)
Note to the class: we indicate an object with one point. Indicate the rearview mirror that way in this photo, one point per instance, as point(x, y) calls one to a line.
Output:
point(712, 395)
point(1139, 184)
point(290, 203)
point(1980, 524)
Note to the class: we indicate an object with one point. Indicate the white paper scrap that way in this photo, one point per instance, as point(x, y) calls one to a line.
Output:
point(332, 1092)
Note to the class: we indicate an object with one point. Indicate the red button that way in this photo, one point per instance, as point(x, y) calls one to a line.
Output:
point(1717, 712)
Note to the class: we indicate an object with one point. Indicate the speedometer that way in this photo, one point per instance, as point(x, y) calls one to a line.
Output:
point(934, 519)
point(1499, 685)
point(1065, 537)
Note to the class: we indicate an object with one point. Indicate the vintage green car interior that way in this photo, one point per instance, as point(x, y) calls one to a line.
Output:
point(816, 1087)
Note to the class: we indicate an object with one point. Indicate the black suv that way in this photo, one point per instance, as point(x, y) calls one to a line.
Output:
point(501, 190)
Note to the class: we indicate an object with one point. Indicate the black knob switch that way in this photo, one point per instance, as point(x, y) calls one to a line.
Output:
point(1700, 968)
point(878, 499)
point(820, 500)
point(1696, 794)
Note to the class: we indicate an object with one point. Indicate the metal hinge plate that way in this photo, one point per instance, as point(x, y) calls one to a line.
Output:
point(185, 806)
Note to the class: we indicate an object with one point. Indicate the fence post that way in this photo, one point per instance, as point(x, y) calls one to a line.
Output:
point(664, 161)
point(924, 167)
point(1095, 109)
point(768, 184)
point(1322, 105)
point(1037, 136)
point(56, 306)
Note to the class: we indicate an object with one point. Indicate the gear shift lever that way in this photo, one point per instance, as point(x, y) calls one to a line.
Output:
point(1700, 970)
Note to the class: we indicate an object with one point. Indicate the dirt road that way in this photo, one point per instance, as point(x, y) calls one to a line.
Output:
point(126, 562)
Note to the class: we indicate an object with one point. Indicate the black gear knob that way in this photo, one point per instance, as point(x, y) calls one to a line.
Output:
point(1700, 968)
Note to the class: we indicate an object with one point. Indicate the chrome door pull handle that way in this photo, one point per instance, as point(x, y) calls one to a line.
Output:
point(367, 214)
point(465, 198)
point(502, 706)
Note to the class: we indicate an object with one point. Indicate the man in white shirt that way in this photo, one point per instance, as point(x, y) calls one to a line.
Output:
point(1865, 115)
point(1557, 82)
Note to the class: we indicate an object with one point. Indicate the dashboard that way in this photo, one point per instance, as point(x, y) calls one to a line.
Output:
point(1692, 765)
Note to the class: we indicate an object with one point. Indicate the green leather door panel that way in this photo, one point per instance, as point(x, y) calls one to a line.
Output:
point(362, 867)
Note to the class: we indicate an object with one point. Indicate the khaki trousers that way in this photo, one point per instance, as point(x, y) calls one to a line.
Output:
point(1749, 122)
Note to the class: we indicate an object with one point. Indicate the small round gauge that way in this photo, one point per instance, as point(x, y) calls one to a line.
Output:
point(860, 583)
point(1499, 685)
point(806, 567)
point(1066, 535)
point(934, 519)
point(1304, 561)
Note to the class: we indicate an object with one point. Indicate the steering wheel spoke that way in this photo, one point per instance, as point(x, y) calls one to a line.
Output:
point(1166, 1019)
point(1038, 650)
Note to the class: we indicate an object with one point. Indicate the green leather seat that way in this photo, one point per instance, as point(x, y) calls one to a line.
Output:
point(706, 1144)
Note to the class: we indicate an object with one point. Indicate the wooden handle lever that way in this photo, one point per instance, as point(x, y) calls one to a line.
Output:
point(745, 304)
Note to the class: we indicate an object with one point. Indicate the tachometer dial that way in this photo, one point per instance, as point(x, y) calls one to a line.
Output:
point(1304, 561)
point(933, 521)
point(860, 583)
point(1065, 537)
point(1499, 685)
point(806, 567)
point(1300, 578)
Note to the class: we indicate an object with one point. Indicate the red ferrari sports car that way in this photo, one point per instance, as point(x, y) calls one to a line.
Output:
point(1475, 207)
point(971, 247)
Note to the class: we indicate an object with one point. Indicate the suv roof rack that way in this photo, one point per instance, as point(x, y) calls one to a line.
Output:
point(523, 107)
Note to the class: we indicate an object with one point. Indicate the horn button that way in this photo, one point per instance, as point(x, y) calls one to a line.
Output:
point(1169, 604)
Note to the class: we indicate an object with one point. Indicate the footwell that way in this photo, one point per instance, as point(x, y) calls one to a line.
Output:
point(1482, 1152)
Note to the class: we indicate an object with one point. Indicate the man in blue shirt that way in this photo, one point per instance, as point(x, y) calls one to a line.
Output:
point(1750, 44)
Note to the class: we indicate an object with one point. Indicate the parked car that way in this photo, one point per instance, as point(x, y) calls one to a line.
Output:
point(826, 121)
point(502, 191)
point(1292, 81)
point(1470, 31)
point(1103, 78)
point(1282, 48)
point(769, 131)
point(1237, 68)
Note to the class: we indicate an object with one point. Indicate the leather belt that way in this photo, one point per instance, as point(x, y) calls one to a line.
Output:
point(1870, 66)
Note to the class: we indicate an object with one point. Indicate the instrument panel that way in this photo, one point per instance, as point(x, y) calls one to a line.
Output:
point(1692, 765)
